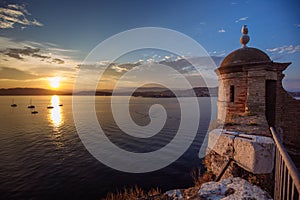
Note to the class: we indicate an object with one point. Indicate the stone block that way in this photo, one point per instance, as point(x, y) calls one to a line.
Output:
point(254, 153)
point(221, 143)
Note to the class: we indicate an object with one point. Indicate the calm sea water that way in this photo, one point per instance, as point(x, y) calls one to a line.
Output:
point(42, 157)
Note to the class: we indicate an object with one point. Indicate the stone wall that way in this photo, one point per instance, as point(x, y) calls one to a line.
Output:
point(226, 108)
point(256, 91)
point(287, 118)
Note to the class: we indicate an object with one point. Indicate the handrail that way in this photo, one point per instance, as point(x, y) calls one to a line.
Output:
point(287, 178)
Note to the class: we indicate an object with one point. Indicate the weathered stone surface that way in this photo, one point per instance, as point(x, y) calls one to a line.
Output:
point(251, 152)
point(175, 194)
point(232, 189)
point(220, 143)
point(255, 154)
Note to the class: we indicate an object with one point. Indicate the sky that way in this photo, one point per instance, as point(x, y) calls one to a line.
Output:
point(43, 43)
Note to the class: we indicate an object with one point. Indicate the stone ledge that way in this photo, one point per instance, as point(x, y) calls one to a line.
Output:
point(251, 152)
point(256, 154)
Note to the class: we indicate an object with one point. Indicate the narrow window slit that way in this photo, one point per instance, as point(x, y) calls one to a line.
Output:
point(232, 93)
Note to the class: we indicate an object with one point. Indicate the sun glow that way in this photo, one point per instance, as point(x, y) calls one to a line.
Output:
point(55, 82)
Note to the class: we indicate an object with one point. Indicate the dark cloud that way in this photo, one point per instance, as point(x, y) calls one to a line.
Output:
point(20, 53)
point(40, 56)
point(15, 74)
point(115, 67)
point(181, 65)
point(184, 65)
point(58, 61)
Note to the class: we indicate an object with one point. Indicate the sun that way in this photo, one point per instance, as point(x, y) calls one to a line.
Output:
point(54, 82)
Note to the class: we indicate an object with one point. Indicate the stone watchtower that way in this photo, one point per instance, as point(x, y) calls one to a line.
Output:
point(250, 100)
point(251, 94)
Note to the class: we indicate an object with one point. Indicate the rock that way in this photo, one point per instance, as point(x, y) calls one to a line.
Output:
point(175, 194)
point(232, 189)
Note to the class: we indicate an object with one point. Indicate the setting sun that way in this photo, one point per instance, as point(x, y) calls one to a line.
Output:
point(55, 82)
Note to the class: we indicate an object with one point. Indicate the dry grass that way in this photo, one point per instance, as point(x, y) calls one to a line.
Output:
point(199, 179)
point(134, 193)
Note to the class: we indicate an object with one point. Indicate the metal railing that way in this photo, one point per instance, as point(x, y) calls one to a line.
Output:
point(287, 178)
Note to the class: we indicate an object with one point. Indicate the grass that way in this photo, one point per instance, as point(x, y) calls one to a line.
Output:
point(134, 193)
point(199, 179)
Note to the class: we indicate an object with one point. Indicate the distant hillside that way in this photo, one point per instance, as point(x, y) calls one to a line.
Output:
point(142, 92)
point(199, 92)
point(155, 92)
point(30, 91)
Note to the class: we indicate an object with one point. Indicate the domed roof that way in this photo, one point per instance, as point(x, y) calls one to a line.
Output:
point(245, 55)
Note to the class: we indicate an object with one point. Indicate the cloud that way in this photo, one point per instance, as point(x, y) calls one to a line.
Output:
point(241, 19)
point(20, 53)
point(30, 64)
point(222, 30)
point(283, 51)
point(119, 68)
point(16, 14)
point(185, 65)
point(297, 25)
point(15, 74)
point(62, 50)
point(167, 57)
point(288, 49)
point(217, 53)
point(19, 7)
point(58, 61)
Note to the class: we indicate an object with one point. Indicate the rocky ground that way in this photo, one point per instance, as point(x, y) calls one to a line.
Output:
point(234, 188)
point(227, 189)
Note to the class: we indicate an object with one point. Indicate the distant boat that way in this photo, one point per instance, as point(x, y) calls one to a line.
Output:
point(34, 112)
point(13, 103)
point(50, 107)
point(30, 104)
point(60, 105)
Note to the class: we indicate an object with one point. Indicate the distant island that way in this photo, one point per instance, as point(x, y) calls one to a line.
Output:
point(154, 92)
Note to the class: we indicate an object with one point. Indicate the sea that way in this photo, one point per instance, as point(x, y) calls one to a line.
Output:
point(43, 157)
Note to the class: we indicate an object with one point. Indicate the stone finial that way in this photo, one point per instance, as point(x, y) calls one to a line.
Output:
point(245, 37)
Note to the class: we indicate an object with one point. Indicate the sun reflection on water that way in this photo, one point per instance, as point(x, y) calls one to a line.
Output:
point(55, 113)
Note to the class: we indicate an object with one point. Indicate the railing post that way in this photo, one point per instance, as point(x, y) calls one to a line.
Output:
point(287, 178)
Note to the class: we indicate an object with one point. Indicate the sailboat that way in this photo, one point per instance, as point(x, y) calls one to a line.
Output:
point(13, 103)
point(30, 104)
point(34, 112)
